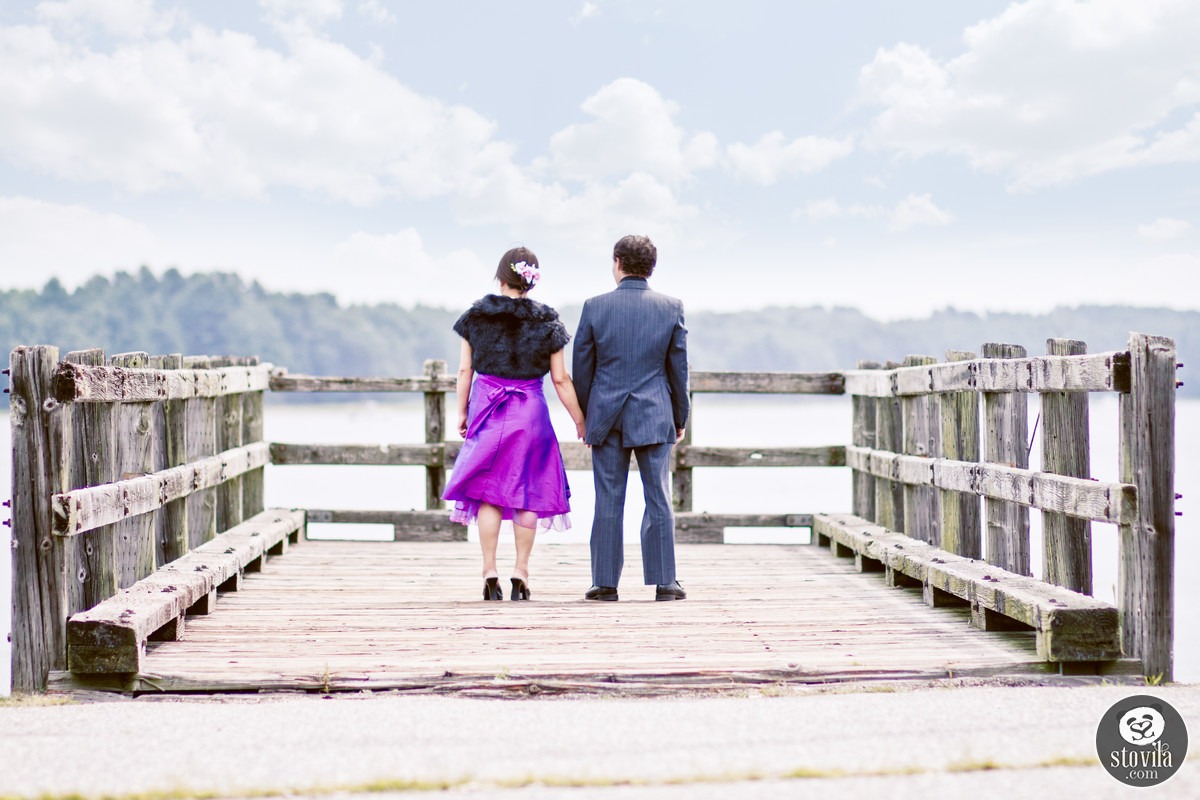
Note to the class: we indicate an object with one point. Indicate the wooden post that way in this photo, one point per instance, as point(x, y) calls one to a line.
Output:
point(39, 596)
point(961, 522)
point(80, 471)
point(201, 441)
point(95, 460)
point(863, 435)
point(229, 435)
point(252, 431)
point(134, 448)
point(922, 437)
point(1066, 541)
point(889, 495)
point(435, 433)
point(1147, 550)
point(681, 476)
point(1006, 442)
point(173, 533)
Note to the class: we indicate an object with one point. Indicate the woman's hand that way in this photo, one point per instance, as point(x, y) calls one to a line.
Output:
point(581, 430)
point(462, 425)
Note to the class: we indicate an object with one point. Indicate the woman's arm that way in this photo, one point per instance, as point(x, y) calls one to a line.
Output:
point(463, 387)
point(566, 392)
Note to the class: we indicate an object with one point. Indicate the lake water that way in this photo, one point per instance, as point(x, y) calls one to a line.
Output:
point(717, 420)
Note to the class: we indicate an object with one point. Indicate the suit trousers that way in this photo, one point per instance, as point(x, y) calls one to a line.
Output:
point(610, 471)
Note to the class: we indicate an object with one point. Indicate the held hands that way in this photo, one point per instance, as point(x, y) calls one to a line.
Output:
point(581, 430)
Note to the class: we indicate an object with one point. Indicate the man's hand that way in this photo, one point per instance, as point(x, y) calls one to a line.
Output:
point(679, 432)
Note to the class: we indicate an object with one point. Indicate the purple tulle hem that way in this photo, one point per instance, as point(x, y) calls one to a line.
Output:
point(467, 513)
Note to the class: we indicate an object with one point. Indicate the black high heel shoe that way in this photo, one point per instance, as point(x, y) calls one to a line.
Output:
point(492, 590)
point(520, 589)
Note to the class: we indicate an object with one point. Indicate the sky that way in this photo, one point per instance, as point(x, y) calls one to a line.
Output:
point(899, 158)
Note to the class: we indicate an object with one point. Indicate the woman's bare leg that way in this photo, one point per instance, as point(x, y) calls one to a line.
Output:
point(489, 537)
point(524, 539)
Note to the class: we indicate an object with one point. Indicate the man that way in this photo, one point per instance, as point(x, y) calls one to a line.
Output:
point(631, 376)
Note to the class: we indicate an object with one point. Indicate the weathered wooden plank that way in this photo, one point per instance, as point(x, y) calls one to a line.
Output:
point(694, 456)
point(430, 525)
point(961, 521)
point(173, 539)
point(922, 434)
point(135, 451)
point(1066, 541)
point(80, 383)
point(1102, 372)
point(704, 528)
point(863, 435)
point(253, 482)
point(229, 436)
point(1006, 426)
point(1077, 497)
point(96, 463)
point(282, 381)
point(111, 636)
point(1070, 626)
point(84, 509)
point(201, 441)
point(681, 474)
point(435, 434)
point(767, 382)
point(889, 494)
point(1146, 569)
point(39, 608)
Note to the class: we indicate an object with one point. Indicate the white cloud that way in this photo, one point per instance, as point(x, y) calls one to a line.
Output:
point(221, 113)
point(372, 266)
point(121, 18)
point(376, 12)
point(302, 14)
point(34, 245)
point(1164, 229)
point(773, 156)
point(913, 211)
point(633, 131)
point(586, 11)
point(1049, 91)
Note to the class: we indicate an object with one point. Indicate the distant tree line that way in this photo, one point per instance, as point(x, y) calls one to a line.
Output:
point(222, 314)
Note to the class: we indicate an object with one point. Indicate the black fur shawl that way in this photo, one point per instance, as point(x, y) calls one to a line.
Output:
point(512, 337)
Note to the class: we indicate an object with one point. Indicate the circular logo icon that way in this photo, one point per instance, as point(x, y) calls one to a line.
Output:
point(1141, 740)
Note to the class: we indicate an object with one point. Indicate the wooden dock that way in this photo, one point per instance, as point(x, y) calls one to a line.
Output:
point(349, 616)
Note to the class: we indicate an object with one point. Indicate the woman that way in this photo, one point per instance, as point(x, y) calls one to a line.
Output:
point(510, 467)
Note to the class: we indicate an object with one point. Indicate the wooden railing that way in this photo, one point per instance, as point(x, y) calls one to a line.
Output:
point(437, 455)
point(124, 466)
point(921, 461)
point(119, 467)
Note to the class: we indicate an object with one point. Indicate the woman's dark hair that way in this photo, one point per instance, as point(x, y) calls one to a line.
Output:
point(508, 276)
point(638, 255)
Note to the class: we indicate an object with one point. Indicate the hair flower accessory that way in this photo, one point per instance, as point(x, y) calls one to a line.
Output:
point(529, 272)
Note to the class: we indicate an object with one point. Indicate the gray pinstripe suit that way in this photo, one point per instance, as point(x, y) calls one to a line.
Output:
point(631, 375)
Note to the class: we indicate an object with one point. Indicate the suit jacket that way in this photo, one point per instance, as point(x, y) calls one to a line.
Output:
point(630, 365)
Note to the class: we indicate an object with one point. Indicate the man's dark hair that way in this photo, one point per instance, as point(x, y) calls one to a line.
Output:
point(637, 254)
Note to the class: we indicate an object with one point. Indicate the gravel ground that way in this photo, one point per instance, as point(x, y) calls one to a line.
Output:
point(896, 742)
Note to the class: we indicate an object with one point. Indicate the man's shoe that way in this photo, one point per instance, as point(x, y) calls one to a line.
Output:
point(670, 591)
point(601, 593)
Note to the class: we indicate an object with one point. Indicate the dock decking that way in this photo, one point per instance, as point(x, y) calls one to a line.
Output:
point(338, 616)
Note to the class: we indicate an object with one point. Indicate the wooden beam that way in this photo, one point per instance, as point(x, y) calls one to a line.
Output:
point(1102, 372)
point(1066, 541)
point(80, 383)
point(429, 525)
point(1069, 626)
point(1076, 497)
point(1006, 431)
point(281, 381)
point(767, 382)
point(84, 509)
point(111, 637)
point(1146, 569)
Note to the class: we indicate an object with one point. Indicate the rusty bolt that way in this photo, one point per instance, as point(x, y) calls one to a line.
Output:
point(1178, 385)
point(8, 503)
point(8, 523)
point(7, 372)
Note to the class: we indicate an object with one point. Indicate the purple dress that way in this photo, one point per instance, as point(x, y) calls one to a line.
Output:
point(510, 456)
